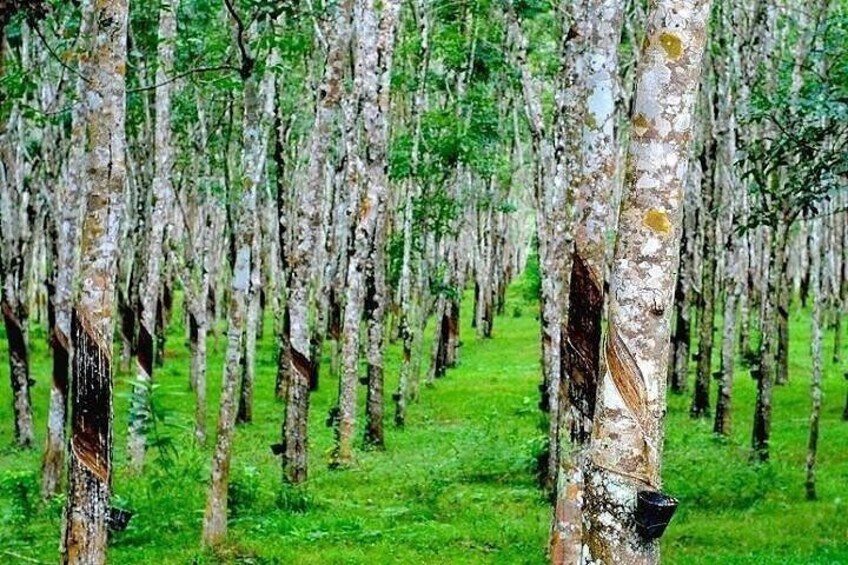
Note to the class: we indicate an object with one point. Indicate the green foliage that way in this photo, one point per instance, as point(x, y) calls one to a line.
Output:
point(530, 283)
point(800, 157)
point(244, 490)
point(20, 489)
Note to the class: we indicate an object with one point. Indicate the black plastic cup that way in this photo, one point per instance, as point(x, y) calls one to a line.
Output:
point(119, 519)
point(654, 511)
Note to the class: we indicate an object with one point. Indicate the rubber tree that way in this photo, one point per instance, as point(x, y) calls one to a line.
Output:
point(163, 158)
point(305, 233)
point(626, 446)
point(374, 39)
point(103, 94)
point(592, 58)
point(257, 96)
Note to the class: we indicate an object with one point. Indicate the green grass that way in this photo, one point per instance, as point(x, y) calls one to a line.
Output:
point(455, 486)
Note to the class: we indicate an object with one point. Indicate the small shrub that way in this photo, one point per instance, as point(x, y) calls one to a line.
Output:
point(21, 489)
point(293, 499)
point(244, 491)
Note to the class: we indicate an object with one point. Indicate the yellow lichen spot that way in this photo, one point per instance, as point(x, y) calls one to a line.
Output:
point(640, 125)
point(658, 221)
point(672, 45)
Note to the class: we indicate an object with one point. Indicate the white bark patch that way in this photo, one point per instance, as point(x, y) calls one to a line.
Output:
point(241, 274)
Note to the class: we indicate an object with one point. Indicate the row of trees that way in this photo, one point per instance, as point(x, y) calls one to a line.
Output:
point(352, 167)
point(156, 148)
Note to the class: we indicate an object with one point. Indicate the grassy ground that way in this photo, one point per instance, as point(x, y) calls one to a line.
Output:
point(455, 486)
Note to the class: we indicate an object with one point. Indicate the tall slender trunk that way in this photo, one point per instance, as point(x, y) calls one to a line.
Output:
point(682, 323)
point(375, 313)
point(65, 243)
point(627, 433)
point(784, 298)
point(410, 300)
point(592, 85)
point(544, 192)
point(15, 239)
point(377, 302)
point(816, 352)
point(256, 101)
point(103, 92)
point(305, 235)
point(150, 287)
point(735, 254)
point(765, 371)
point(198, 328)
point(245, 405)
point(374, 43)
point(700, 407)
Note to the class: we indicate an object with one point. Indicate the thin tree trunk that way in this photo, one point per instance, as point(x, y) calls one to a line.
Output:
point(700, 407)
point(245, 405)
point(765, 372)
point(817, 355)
point(378, 298)
point(374, 39)
point(162, 197)
point(198, 329)
point(253, 159)
point(305, 240)
point(593, 82)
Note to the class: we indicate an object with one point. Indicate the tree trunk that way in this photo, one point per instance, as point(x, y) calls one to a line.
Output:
point(375, 41)
point(700, 407)
point(627, 434)
point(305, 234)
point(103, 92)
point(245, 406)
point(15, 319)
point(18, 215)
point(682, 325)
point(377, 134)
point(592, 81)
point(765, 372)
point(198, 329)
point(782, 375)
point(816, 352)
point(375, 309)
point(253, 160)
point(162, 197)
point(409, 300)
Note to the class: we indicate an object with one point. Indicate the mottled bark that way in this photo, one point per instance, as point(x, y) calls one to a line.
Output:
point(15, 319)
point(592, 61)
point(409, 301)
point(301, 258)
point(373, 46)
point(18, 215)
point(700, 407)
point(735, 253)
point(765, 370)
point(627, 433)
point(255, 101)
point(546, 161)
point(817, 323)
point(197, 339)
point(103, 92)
point(376, 303)
point(245, 405)
point(163, 156)
point(682, 337)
